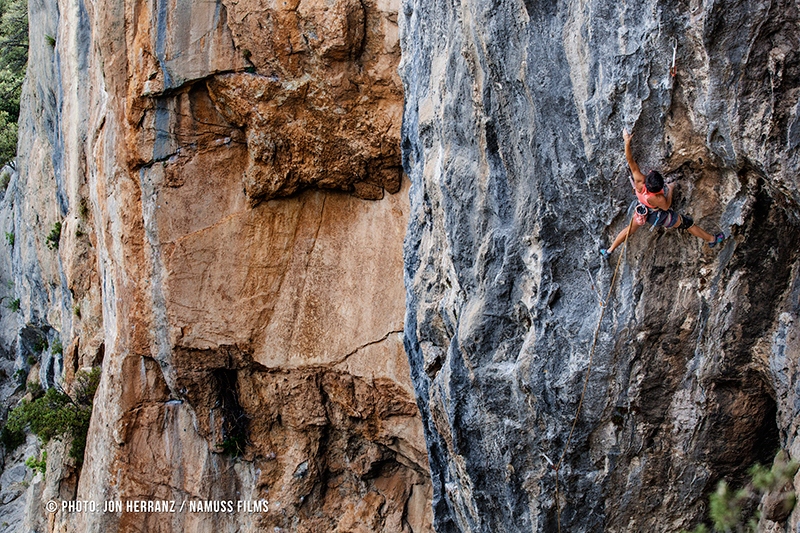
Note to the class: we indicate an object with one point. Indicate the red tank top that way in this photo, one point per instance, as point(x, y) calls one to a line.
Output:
point(646, 195)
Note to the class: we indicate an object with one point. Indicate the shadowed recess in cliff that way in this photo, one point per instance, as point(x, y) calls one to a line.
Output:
point(767, 255)
point(225, 383)
point(175, 127)
point(322, 440)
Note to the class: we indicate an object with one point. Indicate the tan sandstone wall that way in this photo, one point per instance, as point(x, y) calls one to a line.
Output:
point(230, 257)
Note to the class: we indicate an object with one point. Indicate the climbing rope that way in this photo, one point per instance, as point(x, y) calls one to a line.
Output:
point(557, 465)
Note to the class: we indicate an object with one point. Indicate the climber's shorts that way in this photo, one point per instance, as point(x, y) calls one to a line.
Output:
point(659, 217)
point(687, 222)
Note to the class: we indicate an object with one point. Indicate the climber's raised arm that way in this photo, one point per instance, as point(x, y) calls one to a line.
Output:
point(638, 177)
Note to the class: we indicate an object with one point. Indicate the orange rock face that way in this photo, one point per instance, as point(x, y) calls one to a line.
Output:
point(250, 329)
point(311, 86)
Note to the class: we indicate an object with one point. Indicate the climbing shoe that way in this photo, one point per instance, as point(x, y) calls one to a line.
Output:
point(718, 238)
point(604, 253)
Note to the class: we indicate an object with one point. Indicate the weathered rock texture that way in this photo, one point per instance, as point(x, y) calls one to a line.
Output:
point(310, 86)
point(228, 321)
point(512, 139)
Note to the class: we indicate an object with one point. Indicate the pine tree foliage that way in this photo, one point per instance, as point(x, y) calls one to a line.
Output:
point(13, 61)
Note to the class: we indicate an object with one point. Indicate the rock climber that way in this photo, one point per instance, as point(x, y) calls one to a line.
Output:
point(655, 200)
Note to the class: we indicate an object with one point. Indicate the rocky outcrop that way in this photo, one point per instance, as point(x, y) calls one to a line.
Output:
point(311, 88)
point(512, 140)
point(249, 329)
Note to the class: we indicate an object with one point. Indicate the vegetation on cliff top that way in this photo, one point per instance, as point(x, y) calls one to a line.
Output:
point(13, 60)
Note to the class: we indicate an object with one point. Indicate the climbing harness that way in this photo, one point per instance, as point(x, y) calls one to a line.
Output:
point(603, 305)
point(645, 208)
point(655, 222)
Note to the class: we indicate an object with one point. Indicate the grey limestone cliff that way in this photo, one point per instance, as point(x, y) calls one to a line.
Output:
point(512, 140)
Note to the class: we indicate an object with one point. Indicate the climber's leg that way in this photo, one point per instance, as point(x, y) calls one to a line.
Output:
point(621, 237)
point(686, 223)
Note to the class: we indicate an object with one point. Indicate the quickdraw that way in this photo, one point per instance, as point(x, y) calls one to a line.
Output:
point(673, 70)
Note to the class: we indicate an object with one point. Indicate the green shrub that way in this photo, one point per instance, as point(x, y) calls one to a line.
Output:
point(9, 132)
point(13, 305)
point(14, 35)
point(86, 384)
point(76, 309)
point(725, 506)
point(35, 389)
point(5, 178)
point(31, 360)
point(233, 445)
point(37, 465)
point(54, 236)
point(50, 40)
point(40, 345)
point(83, 208)
point(10, 238)
point(55, 415)
point(56, 347)
point(736, 510)
point(13, 60)
point(11, 439)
